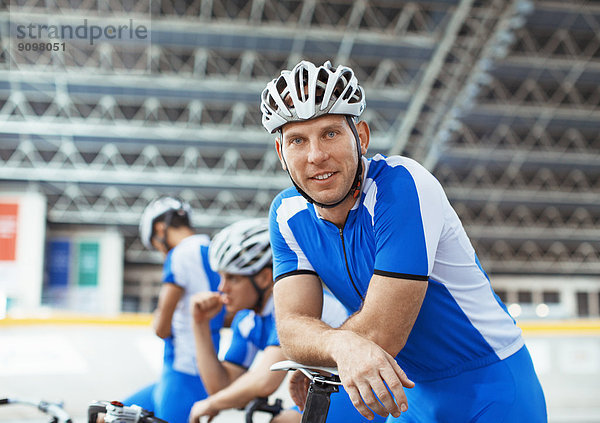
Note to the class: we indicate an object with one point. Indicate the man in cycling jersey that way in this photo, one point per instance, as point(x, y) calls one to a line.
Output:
point(165, 226)
point(382, 236)
point(242, 255)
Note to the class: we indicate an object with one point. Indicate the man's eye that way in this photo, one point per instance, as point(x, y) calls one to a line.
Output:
point(331, 134)
point(296, 141)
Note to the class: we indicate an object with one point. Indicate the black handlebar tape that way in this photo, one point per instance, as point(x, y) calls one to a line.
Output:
point(149, 417)
point(4, 401)
point(152, 419)
point(262, 404)
point(254, 405)
point(317, 402)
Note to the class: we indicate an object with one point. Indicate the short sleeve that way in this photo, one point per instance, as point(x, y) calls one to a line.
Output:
point(288, 257)
point(242, 350)
point(168, 275)
point(407, 222)
point(272, 338)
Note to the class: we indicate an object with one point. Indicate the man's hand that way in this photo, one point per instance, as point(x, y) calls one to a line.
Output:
point(205, 306)
point(201, 409)
point(298, 387)
point(364, 369)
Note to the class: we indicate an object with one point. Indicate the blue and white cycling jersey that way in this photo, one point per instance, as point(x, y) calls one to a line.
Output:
point(254, 332)
point(187, 266)
point(402, 226)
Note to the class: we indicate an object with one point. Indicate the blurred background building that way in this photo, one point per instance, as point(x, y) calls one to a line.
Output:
point(500, 99)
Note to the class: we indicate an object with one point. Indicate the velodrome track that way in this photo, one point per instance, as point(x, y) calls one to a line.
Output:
point(76, 359)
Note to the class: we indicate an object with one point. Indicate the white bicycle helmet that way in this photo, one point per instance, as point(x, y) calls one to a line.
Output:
point(242, 248)
point(158, 209)
point(307, 92)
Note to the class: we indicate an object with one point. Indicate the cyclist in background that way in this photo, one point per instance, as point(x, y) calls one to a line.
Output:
point(382, 236)
point(242, 254)
point(165, 226)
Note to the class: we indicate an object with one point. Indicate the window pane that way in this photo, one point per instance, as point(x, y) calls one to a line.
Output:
point(524, 297)
point(551, 297)
point(583, 306)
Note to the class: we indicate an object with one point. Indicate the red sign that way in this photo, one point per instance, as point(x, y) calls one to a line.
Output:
point(8, 231)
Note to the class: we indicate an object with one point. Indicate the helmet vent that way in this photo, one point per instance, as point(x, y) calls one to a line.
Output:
point(302, 84)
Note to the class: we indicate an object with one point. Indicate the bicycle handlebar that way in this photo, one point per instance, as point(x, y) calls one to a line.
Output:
point(117, 412)
point(56, 410)
point(262, 404)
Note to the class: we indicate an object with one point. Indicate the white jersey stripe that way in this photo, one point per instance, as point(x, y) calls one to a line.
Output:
point(288, 208)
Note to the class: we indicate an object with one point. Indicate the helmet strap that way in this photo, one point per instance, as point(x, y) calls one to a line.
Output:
point(356, 184)
point(260, 291)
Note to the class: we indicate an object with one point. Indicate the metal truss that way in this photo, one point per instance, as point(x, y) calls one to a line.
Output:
point(142, 164)
point(101, 129)
point(522, 163)
point(499, 98)
point(479, 34)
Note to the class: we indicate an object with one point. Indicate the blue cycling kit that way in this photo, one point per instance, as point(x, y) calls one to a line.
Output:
point(252, 332)
point(402, 226)
point(180, 386)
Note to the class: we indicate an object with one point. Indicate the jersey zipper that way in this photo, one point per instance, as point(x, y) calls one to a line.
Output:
point(348, 267)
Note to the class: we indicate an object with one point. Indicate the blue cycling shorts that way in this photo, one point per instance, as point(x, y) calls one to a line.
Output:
point(172, 397)
point(341, 409)
point(504, 392)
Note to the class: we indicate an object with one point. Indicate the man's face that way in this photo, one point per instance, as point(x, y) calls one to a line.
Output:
point(237, 292)
point(320, 155)
point(159, 234)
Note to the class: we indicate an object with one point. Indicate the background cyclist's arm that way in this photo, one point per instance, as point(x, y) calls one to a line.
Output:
point(215, 374)
point(168, 297)
point(259, 381)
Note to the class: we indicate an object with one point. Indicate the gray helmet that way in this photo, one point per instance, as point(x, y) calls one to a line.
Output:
point(242, 248)
point(157, 209)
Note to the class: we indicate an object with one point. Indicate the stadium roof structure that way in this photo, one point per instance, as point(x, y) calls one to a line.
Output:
point(500, 99)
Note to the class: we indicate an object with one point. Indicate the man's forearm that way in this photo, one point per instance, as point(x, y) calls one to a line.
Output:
point(244, 389)
point(359, 324)
point(214, 375)
point(307, 340)
point(224, 400)
point(304, 336)
point(373, 322)
point(161, 324)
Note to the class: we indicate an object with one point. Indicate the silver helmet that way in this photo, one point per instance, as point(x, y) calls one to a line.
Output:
point(157, 209)
point(307, 92)
point(242, 248)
